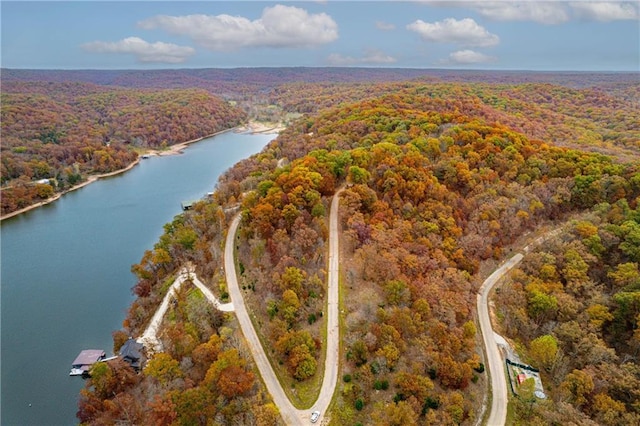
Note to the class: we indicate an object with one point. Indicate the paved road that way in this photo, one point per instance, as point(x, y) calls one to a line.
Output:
point(331, 363)
point(498, 413)
point(290, 414)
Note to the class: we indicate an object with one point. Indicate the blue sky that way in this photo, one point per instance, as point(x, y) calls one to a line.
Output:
point(506, 35)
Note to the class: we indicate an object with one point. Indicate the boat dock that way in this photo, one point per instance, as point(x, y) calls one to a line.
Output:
point(188, 205)
point(83, 362)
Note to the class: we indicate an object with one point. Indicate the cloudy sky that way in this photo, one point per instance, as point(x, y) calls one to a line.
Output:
point(507, 35)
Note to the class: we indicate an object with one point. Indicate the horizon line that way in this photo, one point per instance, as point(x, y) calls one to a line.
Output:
point(334, 67)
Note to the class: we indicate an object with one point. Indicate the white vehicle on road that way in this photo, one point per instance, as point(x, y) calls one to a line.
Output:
point(315, 416)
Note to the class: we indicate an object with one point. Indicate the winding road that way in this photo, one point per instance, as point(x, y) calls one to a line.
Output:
point(499, 400)
point(290, 414)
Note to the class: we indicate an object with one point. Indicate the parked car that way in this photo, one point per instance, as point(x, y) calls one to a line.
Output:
point(315, 416)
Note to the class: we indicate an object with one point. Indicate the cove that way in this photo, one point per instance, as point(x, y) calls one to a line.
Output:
point(65, 270)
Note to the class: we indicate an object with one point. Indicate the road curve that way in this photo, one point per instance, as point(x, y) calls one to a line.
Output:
point(223, 307)
point(498, 410)
point(150, 336)
point(290, 414)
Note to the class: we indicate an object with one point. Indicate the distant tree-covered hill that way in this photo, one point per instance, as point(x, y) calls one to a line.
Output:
point(64, 132)
point(265, 77)
point(591, 118)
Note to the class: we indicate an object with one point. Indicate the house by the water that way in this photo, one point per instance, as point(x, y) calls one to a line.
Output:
point(131, 352)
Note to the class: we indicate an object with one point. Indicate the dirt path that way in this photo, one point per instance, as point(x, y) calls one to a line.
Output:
point(150, 336)
point(290, 414)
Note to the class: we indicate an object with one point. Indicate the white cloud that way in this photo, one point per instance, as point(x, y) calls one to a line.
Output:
point(370, 57)
point(385, 26)
point(605, 11)
point(466, 57)
point(543, 12)
point(143, 50)
point(279, 26)
point(547, 12)
point(465, 32)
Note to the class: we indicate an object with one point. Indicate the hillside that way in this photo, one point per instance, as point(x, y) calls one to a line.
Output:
point(436, 189)
point(66, 125)
point(432, 195)
point(574, 310)
point(61, 133)
point(593, 118)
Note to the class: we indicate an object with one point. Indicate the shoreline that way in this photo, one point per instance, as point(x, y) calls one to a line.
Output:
point(179, 147)
point(250, 127)
point(259, 128)
point(90, 179)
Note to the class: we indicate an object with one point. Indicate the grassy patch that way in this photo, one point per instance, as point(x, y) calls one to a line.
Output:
point(195, 294)
point(166, 284)
point(301, 394)
point(511, 413)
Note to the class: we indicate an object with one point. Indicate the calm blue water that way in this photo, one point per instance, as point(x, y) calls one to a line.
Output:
point(65, 271)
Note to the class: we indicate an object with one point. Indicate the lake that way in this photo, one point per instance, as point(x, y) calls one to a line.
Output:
point(65, 271)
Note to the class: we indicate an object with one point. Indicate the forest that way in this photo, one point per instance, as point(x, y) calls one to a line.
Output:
point(573, 308)
point(60, 127)
point(434, 191)
point(442, 175)
point(594, 118)
point(431, 195)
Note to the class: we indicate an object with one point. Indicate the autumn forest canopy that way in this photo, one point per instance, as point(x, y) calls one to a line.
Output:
point(444, 175)
point(60, 127)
